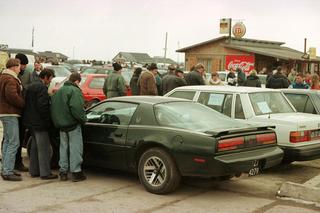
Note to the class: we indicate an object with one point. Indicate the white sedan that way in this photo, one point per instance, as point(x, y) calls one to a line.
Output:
point(298, 134)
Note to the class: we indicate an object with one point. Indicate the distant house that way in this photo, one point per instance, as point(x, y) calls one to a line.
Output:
point(140, 58)
point(48, 56)
point(31, 55)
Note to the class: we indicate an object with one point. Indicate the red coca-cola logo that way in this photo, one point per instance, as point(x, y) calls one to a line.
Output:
point(244, 65)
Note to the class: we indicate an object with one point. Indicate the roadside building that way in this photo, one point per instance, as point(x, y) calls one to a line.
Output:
point(54, 57)
point(131, 58)
point(224, 54)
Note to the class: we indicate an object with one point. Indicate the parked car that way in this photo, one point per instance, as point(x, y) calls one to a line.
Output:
point(304, 100)
point(91, 86)
point(61, 73)
point(298, 133)
point(163, 138)
point(96, 70)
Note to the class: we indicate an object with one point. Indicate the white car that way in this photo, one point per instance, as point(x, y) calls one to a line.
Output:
point(298, 134)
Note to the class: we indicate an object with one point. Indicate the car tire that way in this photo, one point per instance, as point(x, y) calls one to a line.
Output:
point(158, 172)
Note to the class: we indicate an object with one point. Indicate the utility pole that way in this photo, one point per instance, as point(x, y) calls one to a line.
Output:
point(32, 42)
point(165, 46)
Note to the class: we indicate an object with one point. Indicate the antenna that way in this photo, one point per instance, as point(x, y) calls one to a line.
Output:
point(165, 46)
point(32, 42)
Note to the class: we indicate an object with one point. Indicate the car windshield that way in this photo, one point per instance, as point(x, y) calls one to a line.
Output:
point(61, 71)
point(269, 103)
point(89, 70)
point(193, 116)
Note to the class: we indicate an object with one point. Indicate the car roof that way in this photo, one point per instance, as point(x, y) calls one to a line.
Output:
point(93, 75)
point(147, 99)
point(226, 89)
point(301, 91)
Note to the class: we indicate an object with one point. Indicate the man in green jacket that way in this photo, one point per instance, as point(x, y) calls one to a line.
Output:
point(114, 84)
point(68, 114)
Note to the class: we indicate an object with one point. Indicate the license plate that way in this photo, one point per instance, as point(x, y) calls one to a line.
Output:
point(255, 170)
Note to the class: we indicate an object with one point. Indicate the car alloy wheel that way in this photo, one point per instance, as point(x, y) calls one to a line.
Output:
point(158, 172)
point(154, 171)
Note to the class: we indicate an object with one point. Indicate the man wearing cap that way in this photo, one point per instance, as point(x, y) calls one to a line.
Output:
point(171, 80)
point(114, 84)
point(147, 82)
point(25, 78)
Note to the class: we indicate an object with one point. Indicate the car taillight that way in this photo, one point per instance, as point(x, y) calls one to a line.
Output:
point(230, 144)
point(300, 136)
point(266, 138)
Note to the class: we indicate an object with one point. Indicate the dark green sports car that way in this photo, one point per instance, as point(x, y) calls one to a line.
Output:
point(163, 139)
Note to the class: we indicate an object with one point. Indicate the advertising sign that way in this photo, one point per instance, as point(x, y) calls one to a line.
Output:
point(245, 62)
point(239, 30)
point(224, 25)
point(313, 53)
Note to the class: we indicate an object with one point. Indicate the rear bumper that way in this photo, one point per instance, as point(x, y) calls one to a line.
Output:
point(234, 163)
point(303, 153)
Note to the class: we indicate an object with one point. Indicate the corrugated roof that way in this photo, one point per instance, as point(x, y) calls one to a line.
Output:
point(243, 41)
point(49, 54)
point(284, 53)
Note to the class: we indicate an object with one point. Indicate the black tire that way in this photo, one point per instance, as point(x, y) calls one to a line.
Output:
point(163, 171)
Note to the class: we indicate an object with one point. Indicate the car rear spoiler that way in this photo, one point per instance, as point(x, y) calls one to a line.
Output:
point(216, 133)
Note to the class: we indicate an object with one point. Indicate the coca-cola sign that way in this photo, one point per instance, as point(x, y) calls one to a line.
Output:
point(245, 62)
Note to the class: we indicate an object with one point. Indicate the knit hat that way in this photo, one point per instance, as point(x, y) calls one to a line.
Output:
point(116, 66)
point(23, 58)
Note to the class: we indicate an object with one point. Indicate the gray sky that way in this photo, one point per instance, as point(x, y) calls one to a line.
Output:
point(99, 29)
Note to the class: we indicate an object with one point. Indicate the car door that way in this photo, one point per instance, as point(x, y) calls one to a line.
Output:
point(105, 133)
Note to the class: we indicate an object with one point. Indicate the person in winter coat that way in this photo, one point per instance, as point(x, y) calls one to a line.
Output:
point(36, 72)
point(231, 78)
point(134, 81)
point(194, 77)
point(315, 82)
point(36, 117)
point(215, 80)
point(252, 80)
point(68, 114)
point(11, 105)
point(114, 84)
point(171, 81)
point(147, 81)
point(299, 83)
point(277, 80)
point(241, 77)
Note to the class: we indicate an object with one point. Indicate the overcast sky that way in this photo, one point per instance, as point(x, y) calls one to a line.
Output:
point(99, 29)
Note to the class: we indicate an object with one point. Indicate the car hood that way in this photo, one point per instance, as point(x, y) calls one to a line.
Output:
point(302, 121)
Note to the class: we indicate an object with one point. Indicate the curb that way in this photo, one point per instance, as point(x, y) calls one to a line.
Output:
point(307, 192)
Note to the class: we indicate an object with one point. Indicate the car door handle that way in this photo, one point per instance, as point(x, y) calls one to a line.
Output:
point(118, 134)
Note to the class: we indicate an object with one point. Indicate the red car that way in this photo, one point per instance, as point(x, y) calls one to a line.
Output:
point(92, 88)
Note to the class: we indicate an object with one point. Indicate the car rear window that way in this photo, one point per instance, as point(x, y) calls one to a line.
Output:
point(193, 116)
point(269, 103)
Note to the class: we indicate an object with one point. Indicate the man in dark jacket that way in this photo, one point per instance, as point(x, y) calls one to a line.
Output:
point(36, 72)
point(241, 77)
point(277, 80)
point(147, 81)
point(36, 118)
point(194, 77)
point(171, 81)
point(134, 81)
point(68, 114)
point(114, 84)
point(252, 80)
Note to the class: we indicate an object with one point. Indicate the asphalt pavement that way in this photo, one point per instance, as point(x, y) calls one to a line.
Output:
point(113, 191)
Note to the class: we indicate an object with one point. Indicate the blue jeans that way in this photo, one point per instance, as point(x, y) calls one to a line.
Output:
point(71, 149)
point(10, 144)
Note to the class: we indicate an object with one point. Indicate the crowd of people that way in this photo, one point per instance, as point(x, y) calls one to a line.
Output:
point(28, 113)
